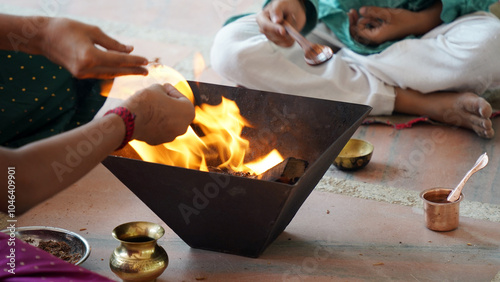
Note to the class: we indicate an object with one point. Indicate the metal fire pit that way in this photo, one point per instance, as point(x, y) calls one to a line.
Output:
point(239, 215)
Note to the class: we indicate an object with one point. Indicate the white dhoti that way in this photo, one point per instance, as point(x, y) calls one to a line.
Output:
point(461, 56)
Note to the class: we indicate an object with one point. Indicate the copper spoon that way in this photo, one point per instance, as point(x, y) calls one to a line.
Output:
point(314, 54)
point(481, 162)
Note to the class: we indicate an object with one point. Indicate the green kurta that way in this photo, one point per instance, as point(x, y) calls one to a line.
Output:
point(334, 14)
point(39, 99)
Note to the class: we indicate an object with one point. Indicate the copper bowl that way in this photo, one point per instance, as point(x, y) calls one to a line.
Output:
point(356, 154)
point(439, 214)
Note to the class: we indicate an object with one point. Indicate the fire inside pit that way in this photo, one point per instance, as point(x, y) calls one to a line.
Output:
point(242, 215)
point(214, 142)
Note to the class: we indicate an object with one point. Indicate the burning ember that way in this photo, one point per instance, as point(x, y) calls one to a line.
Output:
point(219, 147)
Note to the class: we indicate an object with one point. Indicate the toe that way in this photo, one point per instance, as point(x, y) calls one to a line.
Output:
point(483, 128)
point(476, 105)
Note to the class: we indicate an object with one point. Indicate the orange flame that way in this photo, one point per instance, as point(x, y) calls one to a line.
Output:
point(198, 65)
point(221, 124)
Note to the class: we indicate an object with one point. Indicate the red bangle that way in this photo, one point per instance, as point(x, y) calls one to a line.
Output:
point(128, 118)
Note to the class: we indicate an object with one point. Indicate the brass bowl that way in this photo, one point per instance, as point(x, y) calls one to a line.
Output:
point(356, 154)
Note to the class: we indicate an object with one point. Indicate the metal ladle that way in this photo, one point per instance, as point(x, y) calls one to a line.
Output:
point(481, 162)
point(314, 54)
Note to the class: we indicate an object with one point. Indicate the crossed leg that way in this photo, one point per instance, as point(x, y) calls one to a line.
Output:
point(384, 81)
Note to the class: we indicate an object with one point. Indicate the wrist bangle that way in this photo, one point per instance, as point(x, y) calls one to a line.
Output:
point(129, 119)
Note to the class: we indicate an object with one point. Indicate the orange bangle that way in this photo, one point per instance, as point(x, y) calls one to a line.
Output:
point(129, 119)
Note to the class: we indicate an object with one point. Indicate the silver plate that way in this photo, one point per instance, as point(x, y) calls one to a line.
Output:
point(35, 234)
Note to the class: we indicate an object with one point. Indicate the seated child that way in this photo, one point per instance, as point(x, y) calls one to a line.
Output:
point(426, 57)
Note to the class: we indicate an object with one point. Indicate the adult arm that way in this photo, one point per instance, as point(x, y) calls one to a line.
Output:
point(71, 44)
point(45, 167)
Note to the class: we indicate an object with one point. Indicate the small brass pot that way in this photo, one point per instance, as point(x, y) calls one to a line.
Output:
point(139, 257)
point(439, 214)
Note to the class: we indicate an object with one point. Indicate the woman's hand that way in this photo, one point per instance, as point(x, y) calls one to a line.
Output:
point(73, 45)
point(162, 113)
point(271, 18)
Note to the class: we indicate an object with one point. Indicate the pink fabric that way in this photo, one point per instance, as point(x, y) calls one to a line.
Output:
point(33, 264)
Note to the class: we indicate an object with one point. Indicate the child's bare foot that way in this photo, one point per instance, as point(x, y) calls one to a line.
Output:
point(464, 109)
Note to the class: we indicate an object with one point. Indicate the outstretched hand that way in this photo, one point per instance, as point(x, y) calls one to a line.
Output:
point(270, 20)
point(74, 45)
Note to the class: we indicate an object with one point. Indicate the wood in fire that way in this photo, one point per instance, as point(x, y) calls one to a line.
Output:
point(232, 172)
point(288, 171)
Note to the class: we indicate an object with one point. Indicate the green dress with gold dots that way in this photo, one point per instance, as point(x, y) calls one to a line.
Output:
point(39, 99)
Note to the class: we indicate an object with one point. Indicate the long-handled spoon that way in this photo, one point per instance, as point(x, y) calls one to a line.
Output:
point(481, 162)
point(314, 54)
